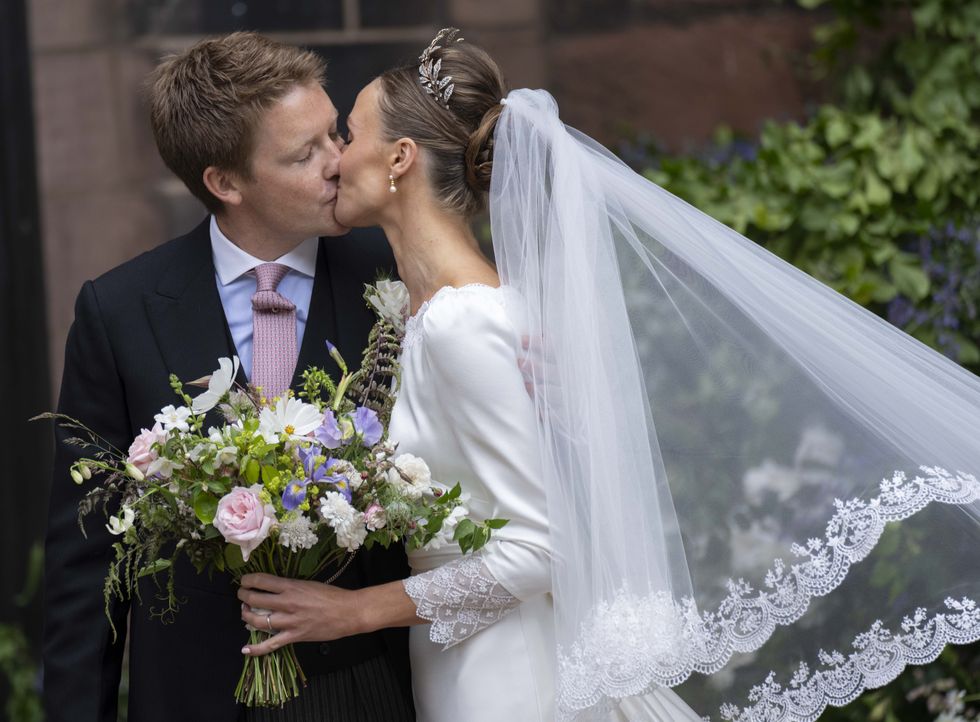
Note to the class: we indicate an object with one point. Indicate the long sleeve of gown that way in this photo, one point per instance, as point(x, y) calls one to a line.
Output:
point(471, 349)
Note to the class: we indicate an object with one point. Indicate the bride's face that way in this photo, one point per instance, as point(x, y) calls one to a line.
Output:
point(362, 193)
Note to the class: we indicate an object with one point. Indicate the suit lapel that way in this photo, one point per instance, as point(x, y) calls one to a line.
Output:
point(192, 333)
point(185, 312)
point(321, 323)
point(354, 318)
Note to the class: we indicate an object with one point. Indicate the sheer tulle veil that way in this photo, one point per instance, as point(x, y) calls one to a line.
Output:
point(760, 493)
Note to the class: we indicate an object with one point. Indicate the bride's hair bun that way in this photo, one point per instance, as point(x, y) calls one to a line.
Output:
point(458, 133)
point(479, 151)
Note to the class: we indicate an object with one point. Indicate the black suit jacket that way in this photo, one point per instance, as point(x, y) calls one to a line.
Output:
point(155, 315)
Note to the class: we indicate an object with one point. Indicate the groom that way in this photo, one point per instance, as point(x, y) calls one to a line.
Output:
point(245, 123)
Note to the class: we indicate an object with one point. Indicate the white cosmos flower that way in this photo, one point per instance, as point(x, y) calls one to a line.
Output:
point(218, 385)
point(291, 417)
point(119, 524)
point(174, 418)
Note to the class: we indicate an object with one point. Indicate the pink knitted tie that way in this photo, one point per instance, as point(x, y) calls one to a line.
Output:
point(274, 351)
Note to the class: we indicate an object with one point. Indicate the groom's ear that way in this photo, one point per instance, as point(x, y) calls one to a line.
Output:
point(404, 155)
point(223, 185)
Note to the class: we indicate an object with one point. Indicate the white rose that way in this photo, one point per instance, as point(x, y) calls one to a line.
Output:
point(410, 476)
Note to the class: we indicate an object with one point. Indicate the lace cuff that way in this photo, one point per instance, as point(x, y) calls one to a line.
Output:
point(459, 598)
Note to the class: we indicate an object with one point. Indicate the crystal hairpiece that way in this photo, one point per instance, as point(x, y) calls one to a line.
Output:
point(440, 88)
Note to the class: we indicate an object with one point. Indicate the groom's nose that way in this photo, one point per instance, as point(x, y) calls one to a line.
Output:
point(331, 166)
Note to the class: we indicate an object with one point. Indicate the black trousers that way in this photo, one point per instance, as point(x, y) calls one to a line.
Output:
point(365, 692)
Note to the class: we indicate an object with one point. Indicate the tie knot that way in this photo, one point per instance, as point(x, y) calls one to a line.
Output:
point(268, 275)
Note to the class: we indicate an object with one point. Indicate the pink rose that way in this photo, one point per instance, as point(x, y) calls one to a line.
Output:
point(141, 451)
point(243, 519)
point(375, 517)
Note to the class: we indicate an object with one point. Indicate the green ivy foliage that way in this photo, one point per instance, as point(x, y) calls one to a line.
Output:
point(850, 194)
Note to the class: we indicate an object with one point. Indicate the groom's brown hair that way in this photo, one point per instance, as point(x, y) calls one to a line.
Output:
point(206, 102)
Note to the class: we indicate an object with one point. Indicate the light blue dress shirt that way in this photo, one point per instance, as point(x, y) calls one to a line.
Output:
point(236, 286)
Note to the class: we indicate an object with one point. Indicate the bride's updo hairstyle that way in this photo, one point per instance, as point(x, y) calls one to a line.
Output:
point(456, 133)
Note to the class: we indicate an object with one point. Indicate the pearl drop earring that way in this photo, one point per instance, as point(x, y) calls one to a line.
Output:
point(391, 179)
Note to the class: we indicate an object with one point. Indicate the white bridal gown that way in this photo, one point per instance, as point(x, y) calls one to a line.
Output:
point(489, 653)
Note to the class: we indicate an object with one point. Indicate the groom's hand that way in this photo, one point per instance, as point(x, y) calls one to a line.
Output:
point(296, 611)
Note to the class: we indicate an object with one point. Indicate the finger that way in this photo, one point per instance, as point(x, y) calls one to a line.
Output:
point(269, 645)
point(265, 582)
point(263, 600)
point(261, 621)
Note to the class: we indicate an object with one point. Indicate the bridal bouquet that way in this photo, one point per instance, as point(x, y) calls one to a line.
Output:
point(290, 487)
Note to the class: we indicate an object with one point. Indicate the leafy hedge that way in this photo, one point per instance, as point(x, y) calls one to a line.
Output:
point(878, 194)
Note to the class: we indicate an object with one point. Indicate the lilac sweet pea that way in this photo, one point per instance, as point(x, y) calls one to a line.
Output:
point(329, 433)
point(294, 494)
point(366, 423)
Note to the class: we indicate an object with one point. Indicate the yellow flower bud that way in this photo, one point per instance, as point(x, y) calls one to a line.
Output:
point(86, 472)
point(134, 472)
point(76, 476)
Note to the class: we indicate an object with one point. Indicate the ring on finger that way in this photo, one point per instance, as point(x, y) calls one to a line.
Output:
point(268, 621)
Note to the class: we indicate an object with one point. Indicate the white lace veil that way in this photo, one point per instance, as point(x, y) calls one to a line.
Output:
point(725, 439)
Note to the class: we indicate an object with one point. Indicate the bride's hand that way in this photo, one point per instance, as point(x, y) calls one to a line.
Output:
point(298, 611)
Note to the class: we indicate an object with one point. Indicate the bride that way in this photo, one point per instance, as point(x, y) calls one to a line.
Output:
point(699, 413)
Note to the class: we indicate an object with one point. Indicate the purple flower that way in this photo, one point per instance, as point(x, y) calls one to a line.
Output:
point(367, 425)
point(340, 482)
point(294, 494)
point(329, 433)
point(314, 473)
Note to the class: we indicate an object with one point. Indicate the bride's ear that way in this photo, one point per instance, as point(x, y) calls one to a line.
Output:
point(223, 185)
point(405, 155)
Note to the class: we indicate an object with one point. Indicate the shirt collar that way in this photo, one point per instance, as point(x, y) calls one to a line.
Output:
point(231, 262)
